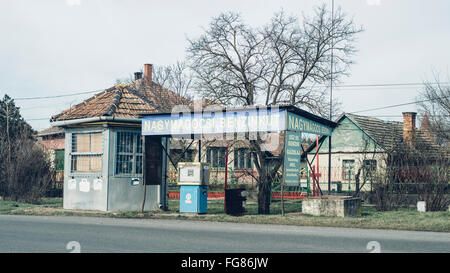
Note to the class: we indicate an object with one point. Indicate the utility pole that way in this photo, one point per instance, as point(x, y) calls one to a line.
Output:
point(331, 97)
point(7, 134)
point(8, 163)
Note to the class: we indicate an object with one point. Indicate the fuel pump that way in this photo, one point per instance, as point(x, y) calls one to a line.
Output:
point(193, 178)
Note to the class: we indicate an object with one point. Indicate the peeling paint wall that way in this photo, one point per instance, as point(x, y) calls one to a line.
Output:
point(349, 142)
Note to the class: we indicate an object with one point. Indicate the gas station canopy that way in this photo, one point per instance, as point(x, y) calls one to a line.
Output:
point(236, 120)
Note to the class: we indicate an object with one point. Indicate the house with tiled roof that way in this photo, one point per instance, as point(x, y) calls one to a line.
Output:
point(104, 150)
point(360, 144)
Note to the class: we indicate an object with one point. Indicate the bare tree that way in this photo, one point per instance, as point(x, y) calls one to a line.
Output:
point(236, 64)
point(435, 101)
point(176, 77)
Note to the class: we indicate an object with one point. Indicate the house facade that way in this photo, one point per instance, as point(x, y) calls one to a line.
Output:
point(360, 146)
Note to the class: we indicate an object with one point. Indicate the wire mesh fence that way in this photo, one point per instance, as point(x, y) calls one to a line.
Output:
point(344, 181)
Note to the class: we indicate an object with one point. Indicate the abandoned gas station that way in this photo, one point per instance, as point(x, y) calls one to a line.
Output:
point(149, 189)
point(230, 123)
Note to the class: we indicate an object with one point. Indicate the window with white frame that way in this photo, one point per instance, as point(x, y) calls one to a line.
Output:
point(128, 153)
point(87, 152)
point(215, 156)
point(348, 169)
point(242, 158)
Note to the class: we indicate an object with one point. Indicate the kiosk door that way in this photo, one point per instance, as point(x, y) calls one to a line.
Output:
point(153, 160)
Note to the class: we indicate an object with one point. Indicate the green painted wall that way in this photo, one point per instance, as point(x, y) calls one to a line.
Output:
point(348, 137)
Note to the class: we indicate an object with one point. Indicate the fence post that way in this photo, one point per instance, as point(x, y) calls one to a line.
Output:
point(307, 184)
point(349, 179)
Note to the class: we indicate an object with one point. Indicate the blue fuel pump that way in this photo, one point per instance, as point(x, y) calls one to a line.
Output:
point(193, 178)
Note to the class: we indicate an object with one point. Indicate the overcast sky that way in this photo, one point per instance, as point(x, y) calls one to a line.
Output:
point(61, 47)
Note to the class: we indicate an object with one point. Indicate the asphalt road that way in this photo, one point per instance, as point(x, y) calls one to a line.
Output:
point(50, 234)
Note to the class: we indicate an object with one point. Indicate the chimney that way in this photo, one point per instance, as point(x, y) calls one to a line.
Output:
point(425, 127)
point(137, 76)
point(148, 73)
point(409, 127)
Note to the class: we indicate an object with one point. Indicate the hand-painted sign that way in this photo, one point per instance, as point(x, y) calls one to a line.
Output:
point(237, 121)
point(301, 124)
point(234, 121)
point(292, 152)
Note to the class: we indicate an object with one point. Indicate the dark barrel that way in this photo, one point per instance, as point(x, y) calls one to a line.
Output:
point(235, 201)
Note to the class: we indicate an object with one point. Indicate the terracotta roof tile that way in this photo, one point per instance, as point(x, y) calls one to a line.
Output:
point(124, 100)
point(51, 131)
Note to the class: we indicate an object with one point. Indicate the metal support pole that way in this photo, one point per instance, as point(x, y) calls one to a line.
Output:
point(317, 163)
point(144, 173)
point(331, 99)
point(226, 179)
point(329, 164)
point(200, 150)
point(311, 167)
point(308, 184)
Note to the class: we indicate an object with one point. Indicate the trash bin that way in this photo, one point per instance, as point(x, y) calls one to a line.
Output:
point(235, 201)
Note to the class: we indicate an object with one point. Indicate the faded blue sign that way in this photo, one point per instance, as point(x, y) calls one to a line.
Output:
point(301, 124)
point(238, 121)
point(292, 152)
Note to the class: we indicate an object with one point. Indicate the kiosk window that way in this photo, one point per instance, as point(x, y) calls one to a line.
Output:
point(128, 153)
point(86, 154)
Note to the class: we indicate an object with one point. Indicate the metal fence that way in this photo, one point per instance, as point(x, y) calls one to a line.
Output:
point(345, 181)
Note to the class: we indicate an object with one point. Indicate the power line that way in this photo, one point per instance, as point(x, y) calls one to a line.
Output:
point(381, 85)
point(59, 96)
point(394, 86)
point(37, 119)
point(389, 84)
point(397, 105)
point(399, 116)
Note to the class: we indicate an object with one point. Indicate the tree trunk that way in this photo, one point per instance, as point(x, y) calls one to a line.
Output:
point(264, 191)
point(357, 176)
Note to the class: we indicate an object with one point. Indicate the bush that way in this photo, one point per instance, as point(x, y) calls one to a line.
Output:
point(413, 171)
point(28, 173)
